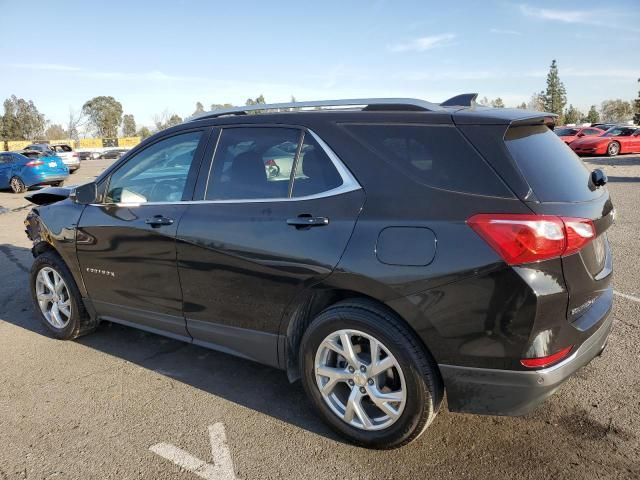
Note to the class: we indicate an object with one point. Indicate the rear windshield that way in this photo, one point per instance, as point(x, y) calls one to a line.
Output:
point(437, 156)
point(62, 148)
point(553, 171)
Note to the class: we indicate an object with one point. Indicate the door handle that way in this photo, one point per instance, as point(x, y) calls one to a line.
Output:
point(158, 221)
point(307, 221)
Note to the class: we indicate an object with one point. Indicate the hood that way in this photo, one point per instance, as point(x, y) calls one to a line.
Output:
point(49, 195)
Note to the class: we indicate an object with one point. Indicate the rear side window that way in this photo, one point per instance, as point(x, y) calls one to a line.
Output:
point(315, 173)
point(436, 156)
point(553, 171)
point(253, 163)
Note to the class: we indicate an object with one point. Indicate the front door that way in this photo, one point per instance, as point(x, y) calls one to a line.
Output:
point(276, 216)
point(126, 243)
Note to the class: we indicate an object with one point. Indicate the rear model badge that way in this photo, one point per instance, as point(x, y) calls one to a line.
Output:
point(101, 272)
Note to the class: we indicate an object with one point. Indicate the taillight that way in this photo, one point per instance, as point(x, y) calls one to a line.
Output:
point(524, 238)
point(548, 360)
point(34, 163)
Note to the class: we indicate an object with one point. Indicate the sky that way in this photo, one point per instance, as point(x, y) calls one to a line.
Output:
point(167, 55)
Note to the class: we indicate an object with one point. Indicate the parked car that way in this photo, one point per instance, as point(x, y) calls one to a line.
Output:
point(569, 134)
point(477, 265)
point(614, 141)
point(70, 158)
point(113, 154)
point(604, 126)
point(88, 155)
point(20, 171)
point(65, 152)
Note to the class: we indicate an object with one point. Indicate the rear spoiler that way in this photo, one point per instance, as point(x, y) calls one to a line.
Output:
point(462, 100)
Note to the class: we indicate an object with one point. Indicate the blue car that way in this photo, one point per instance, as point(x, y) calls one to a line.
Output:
point(19, 171)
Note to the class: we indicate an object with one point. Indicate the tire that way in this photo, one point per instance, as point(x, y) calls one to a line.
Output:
point(613, 149)
point(73, 171)
point(417, 380)
point(17, 185)
point(78, 322)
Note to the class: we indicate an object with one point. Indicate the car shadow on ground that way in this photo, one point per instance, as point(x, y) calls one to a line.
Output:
point(241, 381)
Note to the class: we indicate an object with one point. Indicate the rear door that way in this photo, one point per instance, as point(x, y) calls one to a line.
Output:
point(126, 244)
point(562, 186)
point(259, 234)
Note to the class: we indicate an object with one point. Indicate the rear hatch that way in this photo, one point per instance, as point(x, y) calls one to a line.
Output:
point(561, 185)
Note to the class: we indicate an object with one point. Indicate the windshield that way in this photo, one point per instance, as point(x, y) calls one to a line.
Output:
point(619, 132)
point(566, 132)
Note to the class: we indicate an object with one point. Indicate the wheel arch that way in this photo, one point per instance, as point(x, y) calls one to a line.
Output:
point(300, 315)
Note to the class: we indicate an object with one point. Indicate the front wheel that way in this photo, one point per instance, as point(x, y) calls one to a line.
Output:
point(368, 375)
point(613, 149)
point(57, 299)
point(17, 185)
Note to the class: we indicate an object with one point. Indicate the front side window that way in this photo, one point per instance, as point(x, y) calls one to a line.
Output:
point(156, 174)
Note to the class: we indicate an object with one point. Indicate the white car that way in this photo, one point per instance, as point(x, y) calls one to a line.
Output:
point(70, 158)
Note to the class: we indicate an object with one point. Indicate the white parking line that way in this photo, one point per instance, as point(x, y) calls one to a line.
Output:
point(628, 297)
point(222, 467)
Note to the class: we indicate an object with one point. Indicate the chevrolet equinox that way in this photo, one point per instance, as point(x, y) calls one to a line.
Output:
point(383, 251)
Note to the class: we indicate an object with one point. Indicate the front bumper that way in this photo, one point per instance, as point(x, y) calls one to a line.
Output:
point(509, 392)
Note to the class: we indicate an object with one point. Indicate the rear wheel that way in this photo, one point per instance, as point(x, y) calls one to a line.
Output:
point(17, 185)
point(57, 299)
point(613, 149)
point(368, 375)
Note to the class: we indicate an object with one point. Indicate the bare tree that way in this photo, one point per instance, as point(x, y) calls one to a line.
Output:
point(76, 121)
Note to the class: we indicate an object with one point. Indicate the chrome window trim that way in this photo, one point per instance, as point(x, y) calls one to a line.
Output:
point(349, 183)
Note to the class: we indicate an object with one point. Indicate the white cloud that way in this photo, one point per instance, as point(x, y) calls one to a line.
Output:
point(422, 44)
point(52, 67)
point(502, 31)
point(152, 76)
point(599, 17)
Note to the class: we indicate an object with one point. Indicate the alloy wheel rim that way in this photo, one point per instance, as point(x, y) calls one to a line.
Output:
point(15, 184)
point(613, 148)
point(53, 297)
point(360, 380)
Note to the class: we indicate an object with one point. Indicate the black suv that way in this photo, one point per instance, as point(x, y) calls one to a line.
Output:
point(384, 251)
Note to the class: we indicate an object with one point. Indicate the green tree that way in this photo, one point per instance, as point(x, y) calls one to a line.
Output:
point(55, 132)
point(593, 116)
point(536, 102)
point(616, 111)
point(257, 101)
point(497, 103)
point(572, 115)
point(636, 108)
point(484, 101)
point(104, 114)
point(522, 106)
point(128, 125)
point(21, 120)
point(166, 120)
point(554, 97)
point(199, 109)
point(219, 106)
point(144, 132)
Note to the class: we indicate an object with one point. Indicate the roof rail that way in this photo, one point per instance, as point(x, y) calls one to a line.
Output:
point(462, 100)
point(368, 104)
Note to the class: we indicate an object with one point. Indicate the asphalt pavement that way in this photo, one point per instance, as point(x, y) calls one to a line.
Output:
point(124, 404)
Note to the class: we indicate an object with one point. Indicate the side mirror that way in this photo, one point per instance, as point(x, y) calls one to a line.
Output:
point(85, 194)
point(598, 177)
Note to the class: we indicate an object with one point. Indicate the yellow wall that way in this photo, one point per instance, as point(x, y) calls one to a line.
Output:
point(17, 144)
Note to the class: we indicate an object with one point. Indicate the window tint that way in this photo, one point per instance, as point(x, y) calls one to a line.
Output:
point(553, 171)
point(619, 132)
point(156, 174)
point(433, 155)
point(315, 173)
point(252, 163)
point(591, 131)
point(566, 132)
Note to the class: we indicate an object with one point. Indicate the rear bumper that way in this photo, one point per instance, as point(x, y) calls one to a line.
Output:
point(510, 392)
point(46, 179)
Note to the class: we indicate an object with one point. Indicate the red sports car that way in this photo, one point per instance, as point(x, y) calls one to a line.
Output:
point(612, 142)
point(569, 134)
